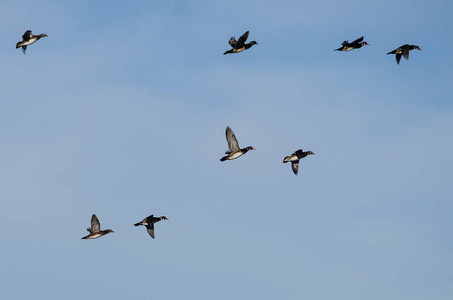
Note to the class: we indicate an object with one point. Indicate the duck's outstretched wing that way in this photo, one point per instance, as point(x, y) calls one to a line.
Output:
point(295, 166)
point(406, 52)
point(150, 228)
point(233, 144)
point(299, 153)
point(242, 40)
point(397, 53)
point(357, 41)
point(232, 42)
point(95, 225)
point(27, 35)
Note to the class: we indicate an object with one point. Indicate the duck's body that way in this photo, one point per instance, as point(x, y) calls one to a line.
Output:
point(233, 146)
point(149, 223)
point(295, 157)
point(27, 39)
point(403, 51)
point(240, 45)
point(346, 46)
point(95, 230)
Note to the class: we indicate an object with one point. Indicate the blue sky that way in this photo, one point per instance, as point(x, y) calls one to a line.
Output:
point(121, 112)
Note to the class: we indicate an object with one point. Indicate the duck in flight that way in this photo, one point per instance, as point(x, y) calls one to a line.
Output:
point(233, 146)
point(95, 230)
point(404, 51)
point(239, 46)
point(27, 39)
point(294, 159)
point(149, 223)
point(346, 46)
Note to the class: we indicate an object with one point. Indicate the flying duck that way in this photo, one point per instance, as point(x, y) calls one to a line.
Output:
point(149, 223)
point(239, 46)
point(294, 159)
point(346, 46)
point(28, 38)
point(233, 145)
point(95, 230)
point(404, 51)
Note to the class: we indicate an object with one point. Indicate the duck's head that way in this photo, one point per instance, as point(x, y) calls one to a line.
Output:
point(417, 47)
point(250, 148)
point(365, 43)
point(109, 230)
point(309, 152)
point(254, 43)
point(43, 35)
point(164, 218)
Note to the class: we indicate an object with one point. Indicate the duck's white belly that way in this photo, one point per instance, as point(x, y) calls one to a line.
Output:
point(95, 236)
point(30, 41)
point(292, 158)
point(235, 155)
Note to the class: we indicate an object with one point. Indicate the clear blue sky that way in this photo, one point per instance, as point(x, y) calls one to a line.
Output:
point(121, 112)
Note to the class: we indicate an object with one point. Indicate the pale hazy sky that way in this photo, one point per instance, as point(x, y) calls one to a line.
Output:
point(121, 112)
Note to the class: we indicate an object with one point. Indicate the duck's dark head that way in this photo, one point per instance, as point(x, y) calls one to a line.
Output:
point(417, 47)
point(43, 35)
point(309, 152)
point(109, 230)
point(164, 218)
point(253, 43)
point(250, 148)
point(365, 43)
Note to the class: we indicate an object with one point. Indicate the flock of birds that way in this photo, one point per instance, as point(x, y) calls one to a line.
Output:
point(234, 150)
point(95, 229)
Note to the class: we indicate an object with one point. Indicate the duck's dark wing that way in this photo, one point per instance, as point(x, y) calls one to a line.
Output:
point(398, 58)
point(233, 144)
point(295, 166)
point(299, 153)
point(27, 35)
point(406, 52)
point(345, 43)
point(232, 41)
point(150, 228)
point(242, 40)
point(24, 48)
point(357, 41)
point(95, 225)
